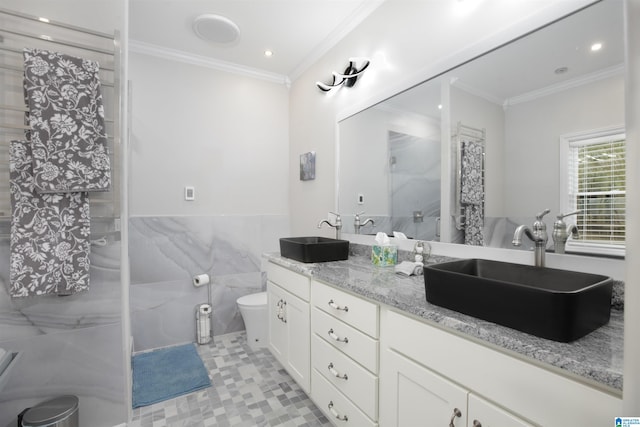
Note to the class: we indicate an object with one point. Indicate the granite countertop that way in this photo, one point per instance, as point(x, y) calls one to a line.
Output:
point(597, 357)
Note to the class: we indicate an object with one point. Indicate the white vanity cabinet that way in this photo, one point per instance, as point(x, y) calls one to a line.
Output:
point(428, 376)
point(344, 356)
point(413, 395)
point(289, 322)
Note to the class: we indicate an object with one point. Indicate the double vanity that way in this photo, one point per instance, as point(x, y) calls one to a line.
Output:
point(370, 350)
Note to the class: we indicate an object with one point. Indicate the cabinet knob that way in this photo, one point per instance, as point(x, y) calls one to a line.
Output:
point(336, 373)
point(335, 306)
point(476, 423)
point(337, 338)
point(335, 413)
point(456, 413)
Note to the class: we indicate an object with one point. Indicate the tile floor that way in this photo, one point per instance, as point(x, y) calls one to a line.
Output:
point(248, 389)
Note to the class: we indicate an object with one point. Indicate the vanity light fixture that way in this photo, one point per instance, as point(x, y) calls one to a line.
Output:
point(348, 77)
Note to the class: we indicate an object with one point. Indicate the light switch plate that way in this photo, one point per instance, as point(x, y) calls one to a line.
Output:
point(189, 193)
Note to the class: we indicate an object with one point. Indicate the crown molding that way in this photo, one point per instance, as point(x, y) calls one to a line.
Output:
point(606, 73)
point(457, 83)
point(143, 48)
point(344, 28)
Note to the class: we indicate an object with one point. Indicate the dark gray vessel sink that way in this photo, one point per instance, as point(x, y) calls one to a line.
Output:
point(314, 249)
point(559, 305)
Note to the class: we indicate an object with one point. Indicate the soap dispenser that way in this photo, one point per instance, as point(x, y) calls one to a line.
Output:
point(562, 231)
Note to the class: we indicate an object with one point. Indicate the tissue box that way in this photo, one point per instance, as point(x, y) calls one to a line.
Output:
point(384, 256)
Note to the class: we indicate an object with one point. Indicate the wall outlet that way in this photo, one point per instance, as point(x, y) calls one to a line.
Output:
point(189, 193)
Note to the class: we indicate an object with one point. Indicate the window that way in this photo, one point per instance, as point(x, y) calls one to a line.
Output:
point(594, 185)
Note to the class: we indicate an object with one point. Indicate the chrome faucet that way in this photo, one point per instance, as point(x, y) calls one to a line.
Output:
point(538, 235)
point(357, 224)
point(337, 225)
point(562, 231)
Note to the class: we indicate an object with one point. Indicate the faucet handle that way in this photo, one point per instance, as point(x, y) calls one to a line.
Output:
point(338, 219)
point(541, 214)
point(561, 215)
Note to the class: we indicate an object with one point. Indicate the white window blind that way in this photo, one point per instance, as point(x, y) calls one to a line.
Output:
point(596, 177)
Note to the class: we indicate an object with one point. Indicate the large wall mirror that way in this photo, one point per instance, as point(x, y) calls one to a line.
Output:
point(516, 103)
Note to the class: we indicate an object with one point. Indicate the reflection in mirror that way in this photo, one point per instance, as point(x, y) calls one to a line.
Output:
point(527, 96)
point(390, 168)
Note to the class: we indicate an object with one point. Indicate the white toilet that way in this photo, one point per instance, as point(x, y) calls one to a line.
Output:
point(253, 308)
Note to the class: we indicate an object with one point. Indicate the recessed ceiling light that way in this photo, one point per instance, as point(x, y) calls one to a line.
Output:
point(45, 20)
point(596, 47)
point(268, 53)
point(216, 28)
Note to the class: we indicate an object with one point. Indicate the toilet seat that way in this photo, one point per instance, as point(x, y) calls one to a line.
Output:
point(253, 300)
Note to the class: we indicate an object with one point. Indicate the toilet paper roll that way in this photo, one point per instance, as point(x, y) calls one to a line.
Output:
point(201, 280)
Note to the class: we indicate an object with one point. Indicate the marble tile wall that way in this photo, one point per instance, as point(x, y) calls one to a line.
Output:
point(166, 252)
point(66, 345)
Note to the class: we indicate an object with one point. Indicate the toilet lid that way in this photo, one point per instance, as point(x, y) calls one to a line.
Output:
point(253, 299)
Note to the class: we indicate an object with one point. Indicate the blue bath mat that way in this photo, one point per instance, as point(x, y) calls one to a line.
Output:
point(167, 373)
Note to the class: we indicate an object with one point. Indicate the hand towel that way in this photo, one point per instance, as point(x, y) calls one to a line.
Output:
point(49, 246)
point(66, 117)
point(474, 225)
point(472, 186)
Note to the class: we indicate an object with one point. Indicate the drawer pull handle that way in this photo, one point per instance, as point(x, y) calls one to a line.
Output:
point(456, 413)
point(280, 310)
point(337, 374)
point(335, 413)
point(335, 306)
point(337, 338)
point(476, 423)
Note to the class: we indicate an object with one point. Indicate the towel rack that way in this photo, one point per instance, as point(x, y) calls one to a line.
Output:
point(461, 134)
point(19, 30)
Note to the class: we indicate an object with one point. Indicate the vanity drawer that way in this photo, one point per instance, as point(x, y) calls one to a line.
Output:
point(355, 382)
point(335, 406)
point(351, 309)
point(360, 347)
point(295, 283)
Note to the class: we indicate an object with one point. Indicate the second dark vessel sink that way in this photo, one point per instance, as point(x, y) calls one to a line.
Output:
point(314, 249)
point(559, 305)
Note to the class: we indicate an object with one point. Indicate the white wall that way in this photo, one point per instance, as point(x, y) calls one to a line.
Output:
point(532, 144)
point(224, 134)
point(406, 42)
point(364, 164)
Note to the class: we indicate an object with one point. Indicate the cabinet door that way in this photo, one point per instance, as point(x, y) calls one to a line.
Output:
point(486, 414)
point(413, 396)
point(277, 326)
point(299, 342)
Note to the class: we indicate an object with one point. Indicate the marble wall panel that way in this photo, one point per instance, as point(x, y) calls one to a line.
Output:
point(85, 362)
point(67, 344)
point(165, 254)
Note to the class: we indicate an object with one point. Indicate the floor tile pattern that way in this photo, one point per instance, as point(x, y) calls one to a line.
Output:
point(249, 389)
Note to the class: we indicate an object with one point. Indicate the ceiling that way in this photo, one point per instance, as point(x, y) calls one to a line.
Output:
point(526, 68)
point(297, 31)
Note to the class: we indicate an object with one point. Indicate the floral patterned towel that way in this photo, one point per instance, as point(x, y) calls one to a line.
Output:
point(49, 234)
point(472, 192)
point(472, 187)
point(473, 226)
point(66, 117)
